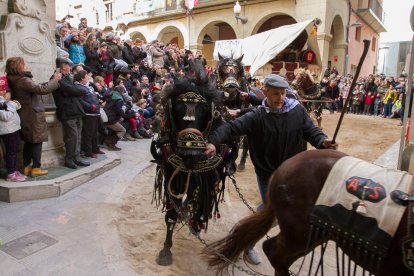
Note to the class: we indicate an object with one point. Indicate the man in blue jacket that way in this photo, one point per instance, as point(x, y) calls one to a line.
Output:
point(275, 132)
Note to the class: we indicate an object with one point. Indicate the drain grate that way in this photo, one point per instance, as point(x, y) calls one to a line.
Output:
point(28, 244)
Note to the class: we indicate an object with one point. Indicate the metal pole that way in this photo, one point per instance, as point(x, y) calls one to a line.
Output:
point(406, 150)
point(404, 156)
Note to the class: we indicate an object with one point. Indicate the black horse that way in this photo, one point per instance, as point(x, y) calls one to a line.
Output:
point(191, 180)
point(233, 83)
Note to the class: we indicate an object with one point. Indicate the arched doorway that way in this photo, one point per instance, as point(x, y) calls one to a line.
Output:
point(337, 45)
point(135, 35)
point(216, 30)
point(292, 57)
point(171, 34)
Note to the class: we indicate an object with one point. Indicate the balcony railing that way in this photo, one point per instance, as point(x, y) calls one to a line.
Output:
point(376, 7)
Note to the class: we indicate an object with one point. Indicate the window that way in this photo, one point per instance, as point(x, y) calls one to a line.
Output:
point(109, 15)
point(358, 34)
point(374, 44)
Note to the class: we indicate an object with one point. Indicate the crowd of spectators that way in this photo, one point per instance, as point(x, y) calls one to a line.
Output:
point(107, 89)
point(375, 95)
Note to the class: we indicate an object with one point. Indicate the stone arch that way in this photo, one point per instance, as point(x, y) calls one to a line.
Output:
point(134, 35)
point(337, 45)
point(209, 34)
point(172, 33)
point(273, 20)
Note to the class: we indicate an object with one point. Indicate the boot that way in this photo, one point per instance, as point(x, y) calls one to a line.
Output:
point(129, 137)
point(111, 141)
point(27, 170)
point(136, 135)
point(38, 172)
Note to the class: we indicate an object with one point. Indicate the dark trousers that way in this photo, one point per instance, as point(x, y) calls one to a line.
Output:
point(32, 152)
point(90, 134)
point(11, 142)
point(72, 134)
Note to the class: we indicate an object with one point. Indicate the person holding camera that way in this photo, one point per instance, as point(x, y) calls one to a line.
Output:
point(32, 112)
point(200, 59)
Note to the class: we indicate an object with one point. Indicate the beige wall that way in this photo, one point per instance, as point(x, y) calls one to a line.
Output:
point(332, 44)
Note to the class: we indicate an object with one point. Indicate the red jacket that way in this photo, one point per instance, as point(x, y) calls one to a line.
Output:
point(369, 99)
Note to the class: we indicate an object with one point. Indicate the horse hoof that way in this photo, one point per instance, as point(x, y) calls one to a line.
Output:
point(164, 257)
point(241, 167)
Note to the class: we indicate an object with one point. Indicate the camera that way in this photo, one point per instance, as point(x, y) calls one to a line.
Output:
point(3, 106)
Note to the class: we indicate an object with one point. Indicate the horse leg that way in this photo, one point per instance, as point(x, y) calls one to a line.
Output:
point(165, 256)
point(242, 165)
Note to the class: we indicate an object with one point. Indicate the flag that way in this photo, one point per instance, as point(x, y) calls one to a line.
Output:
point(191, 4)
point(314, 31)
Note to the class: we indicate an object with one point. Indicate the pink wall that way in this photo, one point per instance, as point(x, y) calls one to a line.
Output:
point(355, 48)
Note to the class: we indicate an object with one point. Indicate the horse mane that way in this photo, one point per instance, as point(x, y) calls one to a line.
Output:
point(200, 82)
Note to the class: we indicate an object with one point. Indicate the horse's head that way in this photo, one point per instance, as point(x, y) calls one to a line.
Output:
point(190, 111)
point(230, 72)
point(305, 84)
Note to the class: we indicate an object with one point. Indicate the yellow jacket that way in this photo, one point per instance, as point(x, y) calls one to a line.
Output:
point(390, 94)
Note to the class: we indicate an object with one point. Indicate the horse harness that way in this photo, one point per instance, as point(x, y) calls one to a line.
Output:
point(407, 242)
point(189, 139)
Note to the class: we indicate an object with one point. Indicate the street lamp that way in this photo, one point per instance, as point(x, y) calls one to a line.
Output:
point(237, 10)
point(383, 61)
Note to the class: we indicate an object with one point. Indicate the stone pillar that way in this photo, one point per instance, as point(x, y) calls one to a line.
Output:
point(323, 43)
point(25, 31)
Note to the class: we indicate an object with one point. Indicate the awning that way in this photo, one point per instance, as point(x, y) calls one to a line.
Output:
point(260, 48)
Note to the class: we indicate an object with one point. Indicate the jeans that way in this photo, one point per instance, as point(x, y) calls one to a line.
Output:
point(263, 183)
point(72, 135)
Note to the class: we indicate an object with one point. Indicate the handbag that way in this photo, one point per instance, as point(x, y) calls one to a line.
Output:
point(104, 117)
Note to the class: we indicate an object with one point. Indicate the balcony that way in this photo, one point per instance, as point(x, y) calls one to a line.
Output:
point(372, 15)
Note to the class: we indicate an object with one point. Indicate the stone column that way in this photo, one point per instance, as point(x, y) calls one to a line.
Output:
point(25, 31)
point(323, 43)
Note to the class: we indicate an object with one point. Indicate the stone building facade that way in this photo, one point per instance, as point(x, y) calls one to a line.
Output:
point(343, 24)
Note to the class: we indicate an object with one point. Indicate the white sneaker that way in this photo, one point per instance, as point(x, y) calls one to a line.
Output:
point(252, 257)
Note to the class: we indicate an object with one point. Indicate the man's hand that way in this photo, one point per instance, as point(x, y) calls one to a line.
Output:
point(233, 113)
point(327, 144)
point(210, 150)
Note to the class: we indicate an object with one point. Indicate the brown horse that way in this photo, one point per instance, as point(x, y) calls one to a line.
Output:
point(293, 190)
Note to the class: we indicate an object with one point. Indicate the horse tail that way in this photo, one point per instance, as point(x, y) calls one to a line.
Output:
point(245, 233)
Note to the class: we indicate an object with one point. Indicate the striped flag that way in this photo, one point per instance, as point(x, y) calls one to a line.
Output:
point(191, 4)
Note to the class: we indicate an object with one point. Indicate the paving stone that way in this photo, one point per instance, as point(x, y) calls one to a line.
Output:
point(28, 244)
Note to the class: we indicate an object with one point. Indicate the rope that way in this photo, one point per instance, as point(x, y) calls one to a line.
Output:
point(179, 196)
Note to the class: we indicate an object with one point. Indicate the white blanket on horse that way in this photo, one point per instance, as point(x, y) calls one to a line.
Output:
point(350, 176)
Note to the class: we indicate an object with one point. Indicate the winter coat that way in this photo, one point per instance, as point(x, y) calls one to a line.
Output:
point(113, 109)
point(127, 54)
point(68, 106)
point(76, 53)
point(272, 137)
point(92, 59)
point(106, 65)
point(9, 119)
point(32, 113)
point(88, 99)
point(157, 56)
point(115, 49)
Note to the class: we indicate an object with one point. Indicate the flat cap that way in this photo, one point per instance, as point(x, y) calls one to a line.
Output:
point(62, 60)
point(274, 80)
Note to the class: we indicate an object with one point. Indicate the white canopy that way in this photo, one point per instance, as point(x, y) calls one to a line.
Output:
point(260, 48)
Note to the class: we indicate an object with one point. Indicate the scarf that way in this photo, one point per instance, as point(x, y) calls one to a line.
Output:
point(288, 105)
